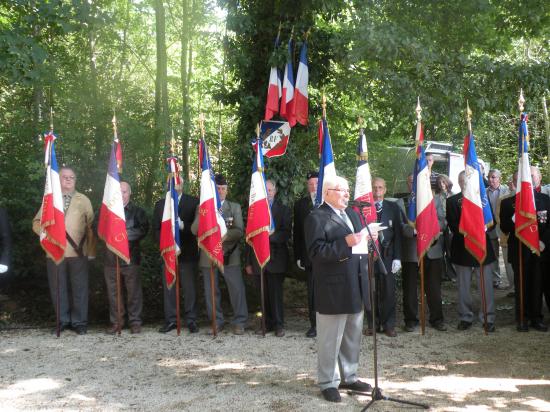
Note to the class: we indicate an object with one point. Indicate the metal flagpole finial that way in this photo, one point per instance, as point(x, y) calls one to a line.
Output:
point(324, 106)
point(418, 110)
point(258, 130)
point(51, 119)
point(521, 100)
point(114, 123)
point(469, 117)
point(201, 124)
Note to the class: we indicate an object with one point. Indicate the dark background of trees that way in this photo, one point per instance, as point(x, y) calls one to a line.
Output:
point(158, 64)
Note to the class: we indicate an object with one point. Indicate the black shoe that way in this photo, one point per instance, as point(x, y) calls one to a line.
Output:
point(168, 327)
point(440, 326)
point(490, 327)
point(62, 328)
point(357, 386)
point(522, 327)
point(331, 395)
point(463, 325)
point(511, 295)
point(80, 330)
point(193, 328)
point(312, 332)
point(540, 326)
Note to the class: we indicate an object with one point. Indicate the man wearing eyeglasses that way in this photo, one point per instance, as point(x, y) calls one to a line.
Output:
point(79, 216)
point(331, 231)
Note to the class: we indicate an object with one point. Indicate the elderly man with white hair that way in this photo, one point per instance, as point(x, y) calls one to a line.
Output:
point(331, 231)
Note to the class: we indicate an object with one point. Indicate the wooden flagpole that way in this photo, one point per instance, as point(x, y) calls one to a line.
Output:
point(521, 102)
point(213, 299)
point(177, 274)
point(422, 299)
point(118, 298)
point(57, 293)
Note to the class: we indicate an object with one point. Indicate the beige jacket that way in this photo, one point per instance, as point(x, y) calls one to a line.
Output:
point(79, 218)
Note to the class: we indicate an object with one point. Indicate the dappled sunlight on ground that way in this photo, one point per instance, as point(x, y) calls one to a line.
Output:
point(27, 387)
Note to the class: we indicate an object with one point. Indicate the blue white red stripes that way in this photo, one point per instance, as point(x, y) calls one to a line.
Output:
point(363, 180)
point(421, 212)
point(112, 221)
point(259, 223)
point(169, 230)
point(526, 215)
point(326, 160)
point(212, 227)
point(301, 102)
point(476, 213)
point(53, 237)
point(287, 100)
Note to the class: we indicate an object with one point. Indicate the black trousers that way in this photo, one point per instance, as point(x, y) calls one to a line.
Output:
point(433, 268)
point(385, 301)
point(273, 297)
point(532, 289)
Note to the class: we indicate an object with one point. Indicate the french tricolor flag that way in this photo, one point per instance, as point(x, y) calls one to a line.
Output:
point(287, 101)
point(476, 213)
point(421, 212)
point(326, 161)
point(301, 105)
point(259, 222)
point(53, 238)
point(212, 227)
point(169, 228)
point(363, 180)
point(527, 229)
point(112, 221)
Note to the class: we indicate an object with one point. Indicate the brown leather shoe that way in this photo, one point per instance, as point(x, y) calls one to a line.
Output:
point(238, 330)
point(135, 329)
point(390, 332)
point(367, 332)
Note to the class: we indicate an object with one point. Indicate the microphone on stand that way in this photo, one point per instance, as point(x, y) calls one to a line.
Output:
point(359, 203)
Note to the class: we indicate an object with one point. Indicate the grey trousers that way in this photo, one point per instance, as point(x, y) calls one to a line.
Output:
point(338, 347)
point(237, 295)
point(73, 304)
point(129, 277)
point(463, 280)
point(495, 266)
point(188, 281)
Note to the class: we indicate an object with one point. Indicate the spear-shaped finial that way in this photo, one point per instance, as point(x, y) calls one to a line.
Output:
point(363, 153)
point(306, 35)
point(114, 124)
point(51, 118)
point(469, 117)
point(258, 131)
point(521, 100)
point(201, 124)
point(418, 110)
point(324, 106)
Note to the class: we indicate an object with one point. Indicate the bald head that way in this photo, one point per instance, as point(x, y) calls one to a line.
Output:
point(126, 191)
point(536, 176)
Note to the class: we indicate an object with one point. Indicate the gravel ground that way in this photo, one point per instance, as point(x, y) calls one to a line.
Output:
point(450, 371)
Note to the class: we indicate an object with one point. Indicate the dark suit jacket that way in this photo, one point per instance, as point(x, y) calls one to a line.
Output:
point(335, 269)
point(459, 254)
point(186, 211)
point(302, 208)
point(390, 242)
point(278, 241)
point(508, 227)
point(5, 239)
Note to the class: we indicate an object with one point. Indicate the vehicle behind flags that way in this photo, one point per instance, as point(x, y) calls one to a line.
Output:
point(169, 228)
point(301, 102)
point(53, 238)
point(212, 227)
point(326, 159)
point(526, 215)
point(363, 180)
point(259, 223)
point(112, 221)
point(288, 111)
point(275, 136)
point(421, 213)
point(476, 213)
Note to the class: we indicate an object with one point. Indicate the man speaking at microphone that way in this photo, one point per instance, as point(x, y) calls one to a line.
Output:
point(330, 232)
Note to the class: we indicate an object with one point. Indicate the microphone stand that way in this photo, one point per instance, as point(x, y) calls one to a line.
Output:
point(377, 394)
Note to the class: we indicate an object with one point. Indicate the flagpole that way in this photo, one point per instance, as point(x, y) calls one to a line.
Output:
point(422, 287)
point(481, 274)
point(262, 280)
point(172, 178)
point(521, 102)
point(212, 280)
point(57, 293)
point(118, 298)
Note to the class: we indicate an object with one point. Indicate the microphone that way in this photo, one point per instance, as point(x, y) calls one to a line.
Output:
point(359, 203)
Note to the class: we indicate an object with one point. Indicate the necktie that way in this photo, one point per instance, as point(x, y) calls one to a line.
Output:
point(66, 202)
point(346, 220)
point(378, 206)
